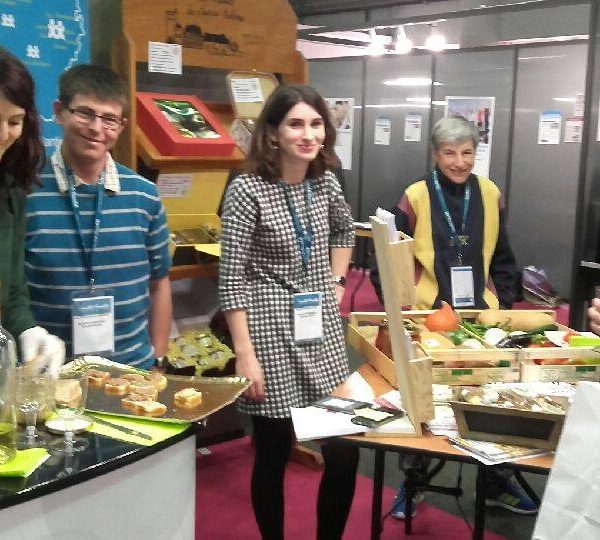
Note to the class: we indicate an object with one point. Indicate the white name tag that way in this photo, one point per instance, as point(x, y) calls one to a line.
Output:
point(308, 316)
point(93, 323)
point(463, 290)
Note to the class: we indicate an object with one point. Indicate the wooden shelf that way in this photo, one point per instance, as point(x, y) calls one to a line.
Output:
point(173, 164)
point(193, 270)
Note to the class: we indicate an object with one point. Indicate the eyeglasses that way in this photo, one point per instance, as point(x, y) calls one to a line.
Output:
point(88, 116)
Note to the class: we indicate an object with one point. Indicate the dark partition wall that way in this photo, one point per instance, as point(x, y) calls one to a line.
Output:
point(387, 170)
point(544, 179)
point(344, 79)
point(481, 74)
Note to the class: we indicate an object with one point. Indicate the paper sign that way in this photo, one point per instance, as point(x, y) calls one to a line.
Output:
point(383, 130)
point(549, 127)
point(573, 130)
point(412, 127)
point(174, 186)
point(247, 90)
point(164, 58)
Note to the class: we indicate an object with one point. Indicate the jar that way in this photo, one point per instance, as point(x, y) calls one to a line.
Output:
point(8, 423)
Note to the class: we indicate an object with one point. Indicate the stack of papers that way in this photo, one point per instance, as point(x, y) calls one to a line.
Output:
point(493, 453)
point(317, 423)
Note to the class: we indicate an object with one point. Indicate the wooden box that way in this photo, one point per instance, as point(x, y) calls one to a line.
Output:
point(508, 426)
point(462, 366)
point(181, 125)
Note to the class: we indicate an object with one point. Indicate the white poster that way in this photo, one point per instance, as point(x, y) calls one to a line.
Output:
point(480, 111)
point(341, 111)
point(383, 130)
point(549, 127)
point(164, 58)
point(573, 130)
point(174, 186)
point(412, 127)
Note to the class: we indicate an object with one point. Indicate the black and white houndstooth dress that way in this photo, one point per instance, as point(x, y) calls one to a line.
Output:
point(261, 268)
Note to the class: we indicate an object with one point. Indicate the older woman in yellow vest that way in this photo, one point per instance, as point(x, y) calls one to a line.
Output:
point(462, 256)
point(462, 253)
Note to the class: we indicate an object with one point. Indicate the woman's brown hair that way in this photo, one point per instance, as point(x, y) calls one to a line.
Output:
point(23, 160)
point(264, 158)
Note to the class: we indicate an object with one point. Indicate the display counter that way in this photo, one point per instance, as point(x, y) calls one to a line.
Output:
point(112, 489)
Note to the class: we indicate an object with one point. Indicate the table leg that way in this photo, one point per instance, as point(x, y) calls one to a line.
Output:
point(377, 494)
point(479, 525)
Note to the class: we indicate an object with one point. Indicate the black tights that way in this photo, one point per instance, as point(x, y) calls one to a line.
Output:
point(273, 439)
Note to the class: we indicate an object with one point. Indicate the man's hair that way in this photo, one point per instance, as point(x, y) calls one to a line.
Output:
point(26, 156)
point(93, 80)
point(264, 158)
point(453, 129)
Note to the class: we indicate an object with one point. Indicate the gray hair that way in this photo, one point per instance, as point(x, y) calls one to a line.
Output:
point(453, 129)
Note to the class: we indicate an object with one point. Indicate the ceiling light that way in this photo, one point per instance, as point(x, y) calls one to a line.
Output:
point(565, 99)
point(377, 45)
point(408, 81)
point(435, 42)
point(418, 99)
point(402, 45)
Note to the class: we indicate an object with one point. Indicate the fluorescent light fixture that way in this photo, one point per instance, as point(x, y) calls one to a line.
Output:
point(408, 81)
point(402, 44)
point(377, 46)
point(565, 99)
point(398, 106)
point(439, 102)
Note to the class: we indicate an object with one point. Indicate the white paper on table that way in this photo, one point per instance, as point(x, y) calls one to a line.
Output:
point(570, 507)
point(317, 423)
point(389, 218)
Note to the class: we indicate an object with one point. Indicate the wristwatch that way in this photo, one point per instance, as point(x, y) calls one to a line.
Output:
point(340, 280)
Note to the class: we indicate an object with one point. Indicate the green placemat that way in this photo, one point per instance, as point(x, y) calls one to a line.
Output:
point(159, 431)
point(25, 462)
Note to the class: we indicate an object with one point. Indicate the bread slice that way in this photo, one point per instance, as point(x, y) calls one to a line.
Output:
point(144, 407)
point(97, 377)
point(117, 386)
point(188, 398)
point(145, 388)
point(158, 380)
point(132, 377)
point(67, 391)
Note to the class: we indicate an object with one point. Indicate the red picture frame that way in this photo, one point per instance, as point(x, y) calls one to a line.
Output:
point(181, 125)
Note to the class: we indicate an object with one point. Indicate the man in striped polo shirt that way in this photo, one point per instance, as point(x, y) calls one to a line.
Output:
point(96, 227)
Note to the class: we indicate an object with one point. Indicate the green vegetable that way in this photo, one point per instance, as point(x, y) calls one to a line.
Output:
point(457, 336)
point(542, 329)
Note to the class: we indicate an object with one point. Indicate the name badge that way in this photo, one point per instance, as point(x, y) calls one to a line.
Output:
point(463, 290)
point(308, 316)
point(93, 323)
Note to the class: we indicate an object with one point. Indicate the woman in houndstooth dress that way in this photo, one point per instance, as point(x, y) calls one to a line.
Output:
point(261, 268)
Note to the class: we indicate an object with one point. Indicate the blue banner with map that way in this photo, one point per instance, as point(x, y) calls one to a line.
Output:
point(49, 36)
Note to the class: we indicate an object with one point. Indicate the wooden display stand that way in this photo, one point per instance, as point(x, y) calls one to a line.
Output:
point(236, 35)
point(413, 375)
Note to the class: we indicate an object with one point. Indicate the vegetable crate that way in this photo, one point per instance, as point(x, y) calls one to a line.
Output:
point(467, 366)
point(538, 358)
point(454, 364)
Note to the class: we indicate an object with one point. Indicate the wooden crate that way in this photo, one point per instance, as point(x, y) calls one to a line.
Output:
point(362, 332)
point(458, 366)
point(508, 426)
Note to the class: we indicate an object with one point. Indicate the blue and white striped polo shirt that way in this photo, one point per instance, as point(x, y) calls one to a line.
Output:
point(132, 250)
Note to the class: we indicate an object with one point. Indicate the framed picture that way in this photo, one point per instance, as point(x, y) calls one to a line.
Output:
point(181, 125)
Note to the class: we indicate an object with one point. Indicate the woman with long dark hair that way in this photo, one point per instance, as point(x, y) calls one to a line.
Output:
point(21, 157)
point(286, 245)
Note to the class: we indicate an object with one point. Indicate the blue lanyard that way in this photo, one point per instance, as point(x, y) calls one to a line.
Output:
point(467, 199)
point(87, 254)
point(304, 237)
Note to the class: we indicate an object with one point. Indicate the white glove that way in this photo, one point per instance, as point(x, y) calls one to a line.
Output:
point(42, 350)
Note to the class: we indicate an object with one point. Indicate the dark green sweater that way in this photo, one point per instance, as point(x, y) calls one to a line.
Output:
point(15, 314)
